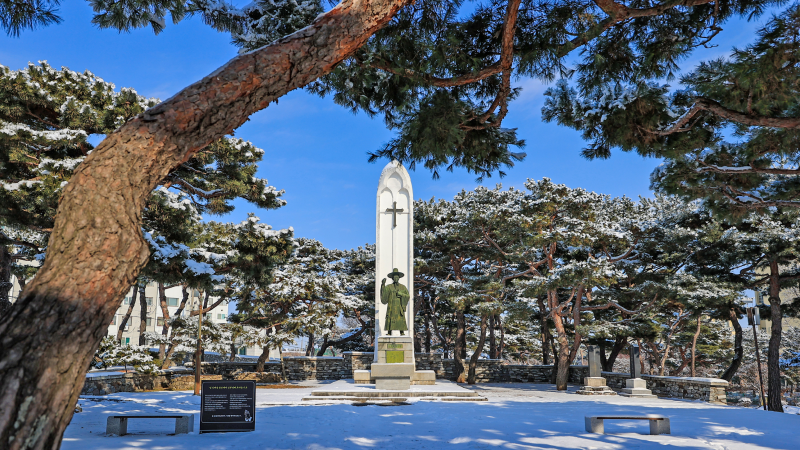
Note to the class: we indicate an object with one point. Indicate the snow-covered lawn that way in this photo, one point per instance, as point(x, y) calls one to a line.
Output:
point(517, 416)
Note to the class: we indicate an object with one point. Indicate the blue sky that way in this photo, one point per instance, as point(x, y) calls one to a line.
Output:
point(315, 149)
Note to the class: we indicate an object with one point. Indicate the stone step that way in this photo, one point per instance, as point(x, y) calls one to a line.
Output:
point(387, 394)
point(359, 399)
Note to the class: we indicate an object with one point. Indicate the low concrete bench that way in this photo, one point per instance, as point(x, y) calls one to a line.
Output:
point(184, 423)
point(658, 424)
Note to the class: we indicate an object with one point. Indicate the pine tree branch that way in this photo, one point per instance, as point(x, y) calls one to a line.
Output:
point(431, 80)
point(22, 243)
point(618, 13)
point(744, 170)
point(753, 120)
point(178, 181)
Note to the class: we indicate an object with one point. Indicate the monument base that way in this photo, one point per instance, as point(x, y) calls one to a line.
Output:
point(347, 391)
point(636, 387)
point(595, 386)
point(395, 367)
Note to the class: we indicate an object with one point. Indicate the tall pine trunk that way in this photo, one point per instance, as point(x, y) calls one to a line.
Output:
point(167, 361)
point(545, 332)
point(773, 351)
point(473, 361)
point(460, 347)
point(694, 345)
point(607, 362)
point(262, 358)
point(5, 280)
point(127, 315)
point(492, 341)
point(143, 313)
point(738, 350)
point(562, 359)
point(162, 300)
point(96, 249)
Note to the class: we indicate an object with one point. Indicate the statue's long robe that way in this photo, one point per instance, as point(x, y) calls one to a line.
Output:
point(396, 297)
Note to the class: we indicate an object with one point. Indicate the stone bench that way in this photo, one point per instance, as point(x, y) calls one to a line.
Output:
point(658, 424)
point(118, 425)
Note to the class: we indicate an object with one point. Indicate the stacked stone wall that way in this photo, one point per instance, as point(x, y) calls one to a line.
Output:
point(132, 382)
point(301, 368)
point(713, 390)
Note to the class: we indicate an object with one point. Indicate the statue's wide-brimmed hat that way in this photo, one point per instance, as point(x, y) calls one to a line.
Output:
point(396, 272)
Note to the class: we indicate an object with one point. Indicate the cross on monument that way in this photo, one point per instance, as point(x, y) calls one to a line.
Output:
point(394, 210)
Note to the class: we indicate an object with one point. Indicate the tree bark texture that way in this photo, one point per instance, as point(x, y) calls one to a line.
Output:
point(96, 249)
point(473, 361)
point(738, 350)
point(773, 351)
point(127, 315)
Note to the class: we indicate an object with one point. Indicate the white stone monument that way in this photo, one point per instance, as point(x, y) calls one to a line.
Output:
point(394, 365)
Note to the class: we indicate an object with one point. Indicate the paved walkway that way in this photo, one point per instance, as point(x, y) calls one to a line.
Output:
point(517, 416)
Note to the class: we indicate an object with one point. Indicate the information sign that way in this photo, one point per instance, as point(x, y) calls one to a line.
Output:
point(227, 406)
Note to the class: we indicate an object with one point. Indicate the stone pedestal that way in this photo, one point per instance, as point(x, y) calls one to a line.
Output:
point(595, 386)
point(395, 365)
point(636, 387)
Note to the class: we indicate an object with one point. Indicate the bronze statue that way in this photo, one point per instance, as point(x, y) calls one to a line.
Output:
point(396, 296)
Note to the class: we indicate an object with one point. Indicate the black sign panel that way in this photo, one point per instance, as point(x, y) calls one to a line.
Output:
point(228, 406)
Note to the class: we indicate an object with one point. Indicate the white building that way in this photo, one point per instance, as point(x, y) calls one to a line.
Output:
point(154, 320)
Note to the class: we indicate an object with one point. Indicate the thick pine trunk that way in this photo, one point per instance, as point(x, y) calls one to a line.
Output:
point(773, 351)
point(127, 315)
point(473, 361)
point(738, 350)
point(562, 362)
point(262, 358)
point(310, 346)
point(162, 300)
point(5, 280)
point(607, 362)
point(545, 332)
point(492, 341)
point(460, 347)
point(167, 361)
point(143, 313)
point(694, 345)
point(96, 249)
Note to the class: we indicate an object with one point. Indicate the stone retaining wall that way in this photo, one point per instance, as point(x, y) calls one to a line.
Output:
point(335, 368)
point(133, 382)
point(713, 390)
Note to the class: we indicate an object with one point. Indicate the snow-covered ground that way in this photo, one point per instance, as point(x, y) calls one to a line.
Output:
point(517, 416)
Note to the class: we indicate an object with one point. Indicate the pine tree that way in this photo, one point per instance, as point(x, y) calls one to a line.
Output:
point(635, 41)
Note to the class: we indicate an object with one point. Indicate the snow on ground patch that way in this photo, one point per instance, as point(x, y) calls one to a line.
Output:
point(517, 416)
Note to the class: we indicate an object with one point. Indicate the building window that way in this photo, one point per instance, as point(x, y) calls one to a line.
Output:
point(243, 350)
point(149, 301)
point(114, 320)
point(221, 316)
point(172, 301)
point(160, 322)
point(125, 341)
point(127, 301)
point(149, 322)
